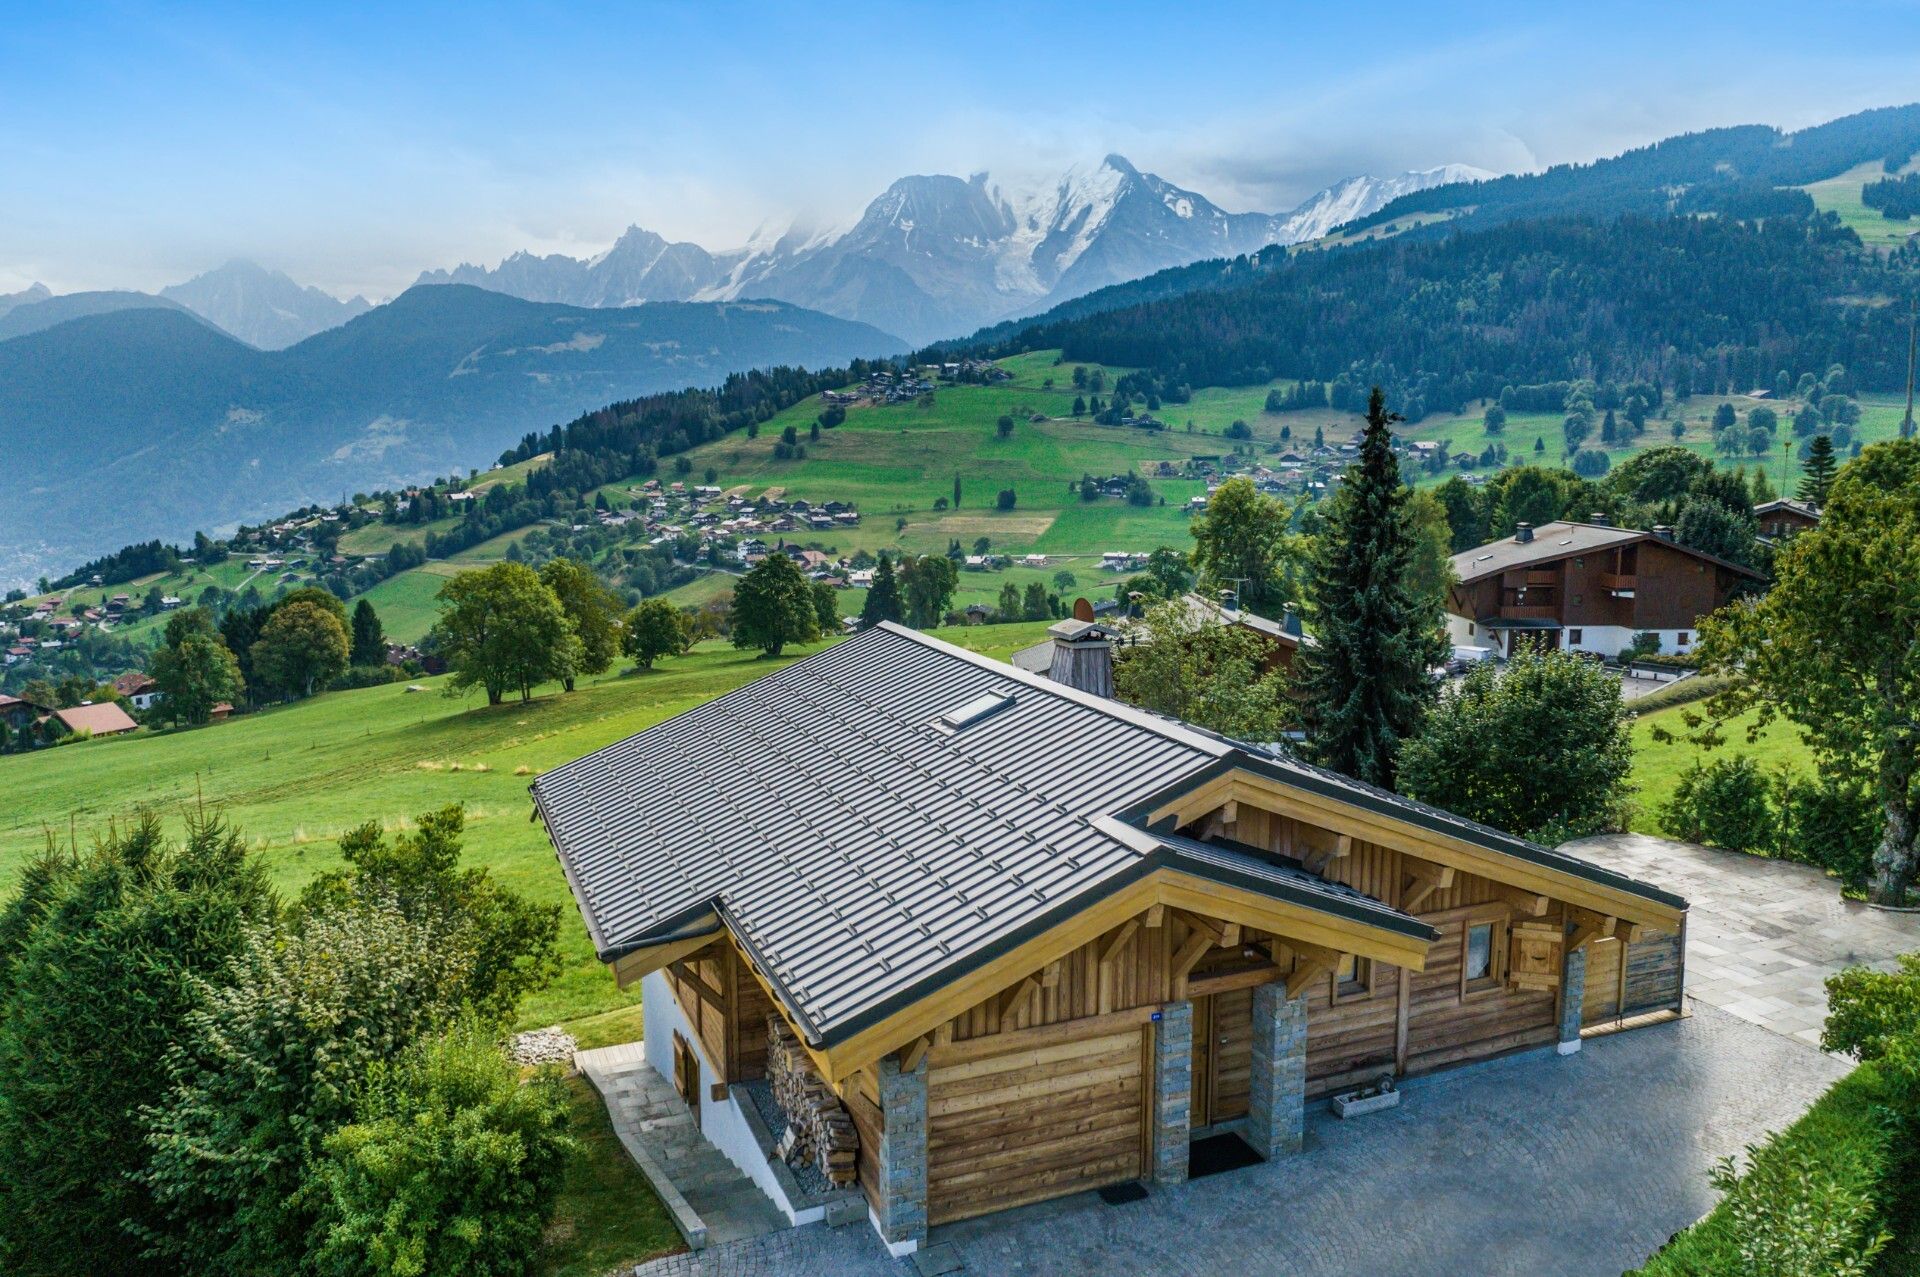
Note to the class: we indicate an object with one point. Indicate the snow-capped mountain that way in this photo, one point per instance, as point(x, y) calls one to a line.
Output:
point(938, 256)
point(263, 307)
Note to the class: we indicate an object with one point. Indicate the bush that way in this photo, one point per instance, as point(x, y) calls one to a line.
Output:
point(367, 676)
point(450, 1165)
point(1835, 824)
point(1723, 804)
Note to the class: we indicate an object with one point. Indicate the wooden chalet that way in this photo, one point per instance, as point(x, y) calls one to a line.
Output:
point(1785, 517)
point(1035, 940)
point(1587, 587)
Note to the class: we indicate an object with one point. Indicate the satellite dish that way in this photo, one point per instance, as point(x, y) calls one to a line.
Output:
point(1082, 610)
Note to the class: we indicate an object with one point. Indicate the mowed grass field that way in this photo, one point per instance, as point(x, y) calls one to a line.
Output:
point(1841, 195)
point(293, 779)
point(1658, 766)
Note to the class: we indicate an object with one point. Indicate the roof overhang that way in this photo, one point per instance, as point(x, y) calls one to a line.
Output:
point(1427, 833)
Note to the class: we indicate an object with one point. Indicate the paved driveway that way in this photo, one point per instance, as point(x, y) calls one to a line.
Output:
point(1531, 1165)
point(1762, 935)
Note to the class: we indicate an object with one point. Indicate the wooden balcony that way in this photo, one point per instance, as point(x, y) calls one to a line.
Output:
point(1619, 583)
point(1530, 611)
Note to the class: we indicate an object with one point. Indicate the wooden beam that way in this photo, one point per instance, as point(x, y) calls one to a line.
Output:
point(1424, 878)
point(704, 991)
point(1230, 812)
point(916, 1051)
point(1017, 997)
point(1327, 958)
point(1588, 925)
point(1156, 915)
point(641, 963)
point(1050, 974)
point(1526, 902)
point(1304, 975)
point(1121, 939)
point(1628, 932)
point(1205, 926)
point(1229, 935)
point(1190, 954)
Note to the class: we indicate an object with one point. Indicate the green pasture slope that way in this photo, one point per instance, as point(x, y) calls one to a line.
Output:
point(294, 779)
point(1841, 194)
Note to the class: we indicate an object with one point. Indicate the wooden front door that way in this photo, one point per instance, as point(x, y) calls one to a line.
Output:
point(686, 1074)
point(1222, 1056)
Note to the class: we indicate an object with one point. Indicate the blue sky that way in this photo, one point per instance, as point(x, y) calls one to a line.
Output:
point(355, 146)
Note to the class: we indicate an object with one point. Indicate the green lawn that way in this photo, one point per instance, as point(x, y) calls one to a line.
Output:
point(294, 779)
point(406, 602)
point(1658, 767)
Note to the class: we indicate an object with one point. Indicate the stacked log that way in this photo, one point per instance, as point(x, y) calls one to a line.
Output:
point(819, 1128)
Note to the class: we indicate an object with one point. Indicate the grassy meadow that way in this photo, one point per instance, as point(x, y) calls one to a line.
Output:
point(293, 779)
point(1841, 195)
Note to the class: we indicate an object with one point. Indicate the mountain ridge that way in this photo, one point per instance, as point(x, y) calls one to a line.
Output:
point(935, 255)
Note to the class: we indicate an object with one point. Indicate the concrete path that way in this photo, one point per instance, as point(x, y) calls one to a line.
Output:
point(711, 1200)
point(1537, 1165)
point(1762, 935)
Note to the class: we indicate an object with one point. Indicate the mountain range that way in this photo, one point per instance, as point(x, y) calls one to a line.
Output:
point(128, 417)
point(263, 307)
point(939, 256)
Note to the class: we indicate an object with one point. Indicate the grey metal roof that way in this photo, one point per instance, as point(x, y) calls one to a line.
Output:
point(854, 846)
point(864, 852)
point(1551, 541)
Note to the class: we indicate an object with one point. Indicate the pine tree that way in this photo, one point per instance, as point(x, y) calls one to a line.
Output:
point(1820, 469)
point(369, 638)
point(956, 489)
point(883, 596)
point(1365, 683)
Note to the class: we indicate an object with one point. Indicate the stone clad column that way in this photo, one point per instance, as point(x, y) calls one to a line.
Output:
point(1573, 991)
point(902, 1213)
point(1277, 1100)
point(1172, 1092)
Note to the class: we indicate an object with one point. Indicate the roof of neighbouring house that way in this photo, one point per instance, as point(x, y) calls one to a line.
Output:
point(1788, 504)
point(1563, 539)
point(104, 719)
point(876, 819)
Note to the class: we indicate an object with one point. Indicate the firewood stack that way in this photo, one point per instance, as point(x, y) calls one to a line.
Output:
point(819, 1129)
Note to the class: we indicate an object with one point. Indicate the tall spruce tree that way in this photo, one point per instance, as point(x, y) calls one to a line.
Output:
point(1821, 466)
point(369, 636)
point(1365, 682)
point(883, 596)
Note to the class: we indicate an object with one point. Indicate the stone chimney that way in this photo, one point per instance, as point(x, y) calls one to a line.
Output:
point(1600, 518)
point(1290, 621)
point(1082, 656)
point(1663, 532)
point(1523, 533)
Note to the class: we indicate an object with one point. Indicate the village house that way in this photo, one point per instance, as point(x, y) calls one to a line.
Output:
point(1586, 587)
point(1035, 941)
point(1784, 517)
point(103, 719)
point(139, 690)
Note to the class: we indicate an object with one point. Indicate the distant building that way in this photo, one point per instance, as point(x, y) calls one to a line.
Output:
point(1784, 518)
point(104, 719)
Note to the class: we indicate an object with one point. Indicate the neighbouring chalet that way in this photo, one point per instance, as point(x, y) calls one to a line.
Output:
point(1035, 939)
point(1279, 640)
point(102, 719)
point(1784, 517)
point(1586, 587)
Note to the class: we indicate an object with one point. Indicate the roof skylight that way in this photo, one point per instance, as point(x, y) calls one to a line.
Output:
point(967, 713)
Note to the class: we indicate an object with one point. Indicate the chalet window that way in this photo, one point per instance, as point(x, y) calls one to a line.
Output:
point(1579, 563)
point(1469, 629)
point(1576, 636)
point(1482, 946)
point(1353, 978)
point(1682, 640)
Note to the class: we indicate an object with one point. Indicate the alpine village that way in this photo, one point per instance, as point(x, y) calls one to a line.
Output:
point(1383, 741)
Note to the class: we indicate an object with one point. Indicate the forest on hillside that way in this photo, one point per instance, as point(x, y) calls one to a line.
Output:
point(1693, 304)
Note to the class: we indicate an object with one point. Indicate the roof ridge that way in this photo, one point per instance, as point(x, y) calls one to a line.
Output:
point(1186, 734)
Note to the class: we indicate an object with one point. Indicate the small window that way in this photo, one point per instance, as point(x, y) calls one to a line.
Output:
point(1577, 598)
point(1579, 563)
point(1469, 629)
point(1576, 636)
point(1682, 640)
point(1353, 978)
point(1479, 951)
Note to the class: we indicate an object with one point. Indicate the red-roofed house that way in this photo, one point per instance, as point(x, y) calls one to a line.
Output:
point(104, 719)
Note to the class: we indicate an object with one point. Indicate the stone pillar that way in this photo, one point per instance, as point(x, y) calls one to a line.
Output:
point(1573, 991)
point(902, 1214)
point(1172, 1092)
point(1277, 1099)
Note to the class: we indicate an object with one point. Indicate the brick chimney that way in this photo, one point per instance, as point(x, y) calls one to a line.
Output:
point(1523, 533)
point(1082, 656)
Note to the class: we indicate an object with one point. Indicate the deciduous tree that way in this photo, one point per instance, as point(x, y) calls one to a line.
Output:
point(501, 627)
point(302, 647)
point(654, 629)
point(1240, 543)
point(591, 608)
point(773, 606)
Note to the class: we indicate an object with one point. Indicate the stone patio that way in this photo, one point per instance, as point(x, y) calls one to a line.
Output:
point(1762, 935)
point(1536, 1164)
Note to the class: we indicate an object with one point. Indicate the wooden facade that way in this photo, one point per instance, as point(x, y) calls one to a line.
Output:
point(1039, 1079)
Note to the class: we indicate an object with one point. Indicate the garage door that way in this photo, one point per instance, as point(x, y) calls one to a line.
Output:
point(1035, 1124)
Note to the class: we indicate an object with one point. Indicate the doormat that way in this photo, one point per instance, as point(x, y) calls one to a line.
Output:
point(1217, 1153)
point(1121, 1194)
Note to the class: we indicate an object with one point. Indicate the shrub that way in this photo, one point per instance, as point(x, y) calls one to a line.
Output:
point(1832, 823)
point(1870, 1013)
point(450, 1165)
point(1723, 804)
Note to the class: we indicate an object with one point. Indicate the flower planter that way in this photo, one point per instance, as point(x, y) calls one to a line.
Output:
point(1367, 1099)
